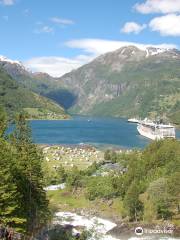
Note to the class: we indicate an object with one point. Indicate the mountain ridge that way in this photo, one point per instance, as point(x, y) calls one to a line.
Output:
point(127, 82)
point(39, 82)
point(14, 97)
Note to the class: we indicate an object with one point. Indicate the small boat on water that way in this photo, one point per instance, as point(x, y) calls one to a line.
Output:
point(155, 130)
point(133, 120)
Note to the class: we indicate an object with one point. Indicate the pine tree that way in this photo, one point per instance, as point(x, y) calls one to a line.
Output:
point(29, 178)
point(9, 196)
point(3, 122)
point(132, 202)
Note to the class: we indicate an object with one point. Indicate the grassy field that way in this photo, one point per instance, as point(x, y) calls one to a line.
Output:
point(67, 200)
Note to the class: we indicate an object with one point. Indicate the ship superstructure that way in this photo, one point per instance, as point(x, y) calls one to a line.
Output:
point(155, 131)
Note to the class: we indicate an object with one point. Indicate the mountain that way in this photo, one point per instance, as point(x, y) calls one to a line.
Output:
point(125, 83)
point(128, 82)
point(15, 97)
point(41, 83)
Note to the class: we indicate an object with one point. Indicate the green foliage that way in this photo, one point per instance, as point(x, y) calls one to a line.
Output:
point(58, 233)
point(156, 173)
point(14, 97)
point(173, 185)
point(65, 233)
point(132, 202)
point(92, 168)
point(149, 187)
point(144, 87)
point(3, 122)
point(100, 187)
point(61, 174)
point(158, 195)
point(74, 178)
point(9, 205)
point(29, 177)
point(23, 202)
point(110, 156)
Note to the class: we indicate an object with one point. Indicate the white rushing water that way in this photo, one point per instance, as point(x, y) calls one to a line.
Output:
point(98, 226)
point(55, 187)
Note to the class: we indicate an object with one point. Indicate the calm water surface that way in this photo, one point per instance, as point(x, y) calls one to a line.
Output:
point(101, 132)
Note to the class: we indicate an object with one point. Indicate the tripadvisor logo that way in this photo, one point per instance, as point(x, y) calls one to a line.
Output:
point(139, 231)
point(167, 228)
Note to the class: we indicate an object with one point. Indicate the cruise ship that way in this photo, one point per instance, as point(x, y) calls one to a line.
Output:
point(155, 131)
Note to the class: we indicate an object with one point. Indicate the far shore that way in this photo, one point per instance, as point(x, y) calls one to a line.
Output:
point(47, 119)
point(102, 147)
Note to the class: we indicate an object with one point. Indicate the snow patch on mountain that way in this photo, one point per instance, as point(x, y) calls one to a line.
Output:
point(5, 59)
point(154, 51)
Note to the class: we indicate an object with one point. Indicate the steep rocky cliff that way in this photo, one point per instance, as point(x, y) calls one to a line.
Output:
point(127, 82)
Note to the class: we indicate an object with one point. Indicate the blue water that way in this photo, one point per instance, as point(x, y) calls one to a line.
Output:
point(100, 132)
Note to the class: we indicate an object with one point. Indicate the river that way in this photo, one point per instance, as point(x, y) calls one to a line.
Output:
point(100, 227)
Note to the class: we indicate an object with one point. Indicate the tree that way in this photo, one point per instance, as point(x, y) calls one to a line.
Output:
point(100, 187)
point(9, 196)
point(61, 174)
point(3, 122)
point(29, 178)
point(158, 195)
point(107, 155)
point(110, 155)
point(132, 203)
point(9, 204)
point(173, 185)
point(149, 213)
point(74, 178)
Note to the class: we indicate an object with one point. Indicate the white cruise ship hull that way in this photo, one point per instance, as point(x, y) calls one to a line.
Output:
point(148, 134)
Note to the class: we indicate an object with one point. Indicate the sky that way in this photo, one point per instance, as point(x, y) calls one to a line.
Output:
point(57, 36)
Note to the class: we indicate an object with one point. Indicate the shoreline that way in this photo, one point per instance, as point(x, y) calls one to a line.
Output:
point(71, 116)
point(102, 147)
point(46, 119)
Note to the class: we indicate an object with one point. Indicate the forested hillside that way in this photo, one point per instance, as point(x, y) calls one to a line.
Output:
point(40, 83)
point(14, 98)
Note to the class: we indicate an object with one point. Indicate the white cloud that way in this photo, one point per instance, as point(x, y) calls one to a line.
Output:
point(100, 46)
point(62, 21)
point(56, 66)
point(44, 29)
point(133, 27)
point(7, 2)
point(158, 6)
point(168, 25)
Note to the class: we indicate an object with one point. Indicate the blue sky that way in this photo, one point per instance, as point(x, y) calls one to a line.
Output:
point(57, 36)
